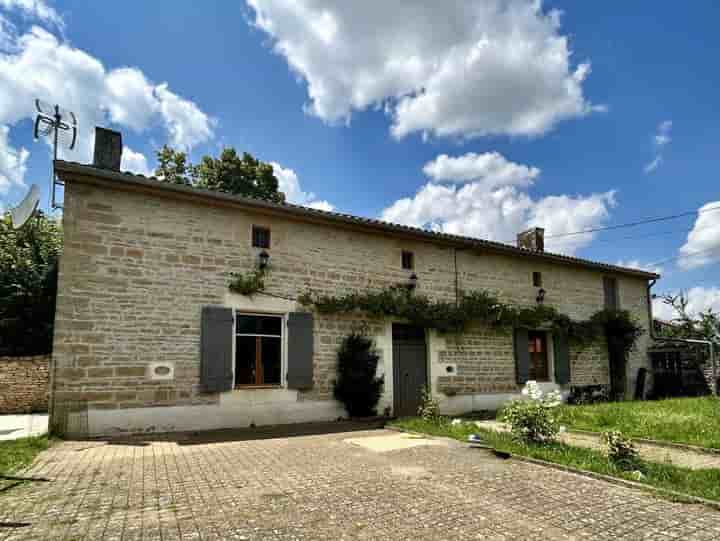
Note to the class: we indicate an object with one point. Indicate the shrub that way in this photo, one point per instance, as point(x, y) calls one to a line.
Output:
point(532, 420)
point(588, 394)
point(429, 408)
point(620, 450)
point(357, 386)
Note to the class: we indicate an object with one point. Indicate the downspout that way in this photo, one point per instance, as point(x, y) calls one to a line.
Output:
point(709, 343)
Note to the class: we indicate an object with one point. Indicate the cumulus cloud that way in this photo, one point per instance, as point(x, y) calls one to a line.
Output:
point(700, 299)
point(38, 64)
point(637, 264)
point(490, 168)
point(289, 184)
point(703, 242)
point(134, 162)
point(498, 211)
point(660, 140)
point(461, 68)
point(13, 163)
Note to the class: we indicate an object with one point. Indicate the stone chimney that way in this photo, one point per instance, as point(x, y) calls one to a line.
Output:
point(532, 239)
point(108, 149)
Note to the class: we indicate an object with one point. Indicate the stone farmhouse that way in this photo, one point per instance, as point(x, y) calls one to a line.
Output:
point(149, 336)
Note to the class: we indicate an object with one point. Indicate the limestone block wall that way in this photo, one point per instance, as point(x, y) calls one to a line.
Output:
point(138, 267)
point(24, 384)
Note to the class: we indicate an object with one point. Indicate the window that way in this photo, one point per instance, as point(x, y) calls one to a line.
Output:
point(260, 237)
point(537, 347)
point(612, 298)
point(537, 279)
point(408, 260)
point(258, 350)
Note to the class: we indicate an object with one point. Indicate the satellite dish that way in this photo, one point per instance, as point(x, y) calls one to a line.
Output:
point(22, 213)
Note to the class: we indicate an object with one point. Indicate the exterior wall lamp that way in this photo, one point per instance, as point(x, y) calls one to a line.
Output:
point(540, 296)
point(412, 282)
point(263, 260)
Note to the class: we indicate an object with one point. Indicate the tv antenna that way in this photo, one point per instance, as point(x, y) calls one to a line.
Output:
point(52, 120)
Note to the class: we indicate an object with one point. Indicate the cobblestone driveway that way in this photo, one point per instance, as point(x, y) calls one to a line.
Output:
point(322, 487)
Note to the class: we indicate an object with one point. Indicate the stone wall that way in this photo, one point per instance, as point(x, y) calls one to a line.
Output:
point(24, 384)
point(138, 267)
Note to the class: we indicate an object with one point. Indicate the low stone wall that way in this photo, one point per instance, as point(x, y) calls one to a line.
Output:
point(24, 384)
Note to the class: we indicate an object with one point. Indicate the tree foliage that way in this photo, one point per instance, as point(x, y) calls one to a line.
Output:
point(28, 284)
point(229, 173)
point(357, 386)
point(704, 326)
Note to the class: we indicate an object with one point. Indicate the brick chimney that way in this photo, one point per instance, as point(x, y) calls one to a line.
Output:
point(533, 239)
point(108, 149)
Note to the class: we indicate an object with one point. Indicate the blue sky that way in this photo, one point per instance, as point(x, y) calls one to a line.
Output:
point(473, 118)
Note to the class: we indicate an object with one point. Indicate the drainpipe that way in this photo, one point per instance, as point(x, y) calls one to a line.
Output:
point(709, 343)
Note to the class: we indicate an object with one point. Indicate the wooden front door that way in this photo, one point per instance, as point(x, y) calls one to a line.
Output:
point(537, 344)
point(409, 369)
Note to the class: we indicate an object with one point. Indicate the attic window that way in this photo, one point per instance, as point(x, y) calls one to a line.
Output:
point(260, 237)
point(408, 260)
point(537, 279)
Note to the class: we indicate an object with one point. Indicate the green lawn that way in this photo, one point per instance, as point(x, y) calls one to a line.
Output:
point(16, 454)
point(702, 483)
point(695, 421)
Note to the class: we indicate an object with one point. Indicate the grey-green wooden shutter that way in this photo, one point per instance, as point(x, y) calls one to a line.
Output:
point(561, 358)
point(522, 355)
point(300, 350)
point(216, 349)
point(610, 288)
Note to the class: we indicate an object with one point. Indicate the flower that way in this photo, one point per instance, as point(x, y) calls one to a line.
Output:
point(456, 422)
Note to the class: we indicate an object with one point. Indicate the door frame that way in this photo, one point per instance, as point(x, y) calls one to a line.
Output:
point(396, 366)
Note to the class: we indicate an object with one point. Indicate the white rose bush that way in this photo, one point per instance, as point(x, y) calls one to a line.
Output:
point(532, 419)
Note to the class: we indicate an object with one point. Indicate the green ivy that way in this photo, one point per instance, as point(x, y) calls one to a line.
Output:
point(618, 326)
point(247, 283)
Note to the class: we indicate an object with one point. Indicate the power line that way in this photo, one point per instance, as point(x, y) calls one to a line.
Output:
point(683, 256)
point(634, 224)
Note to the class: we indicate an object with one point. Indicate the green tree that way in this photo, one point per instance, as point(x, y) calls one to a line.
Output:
point(28, 284)
point(172, 166)
point(230, 173)
point(704, 325)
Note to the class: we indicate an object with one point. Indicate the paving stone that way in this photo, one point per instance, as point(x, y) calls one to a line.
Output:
point(321, 487)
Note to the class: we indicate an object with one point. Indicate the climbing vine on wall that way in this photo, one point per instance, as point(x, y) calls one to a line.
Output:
point(618, 326)
point(247, 283)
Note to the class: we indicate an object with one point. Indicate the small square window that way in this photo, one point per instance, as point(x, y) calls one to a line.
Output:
point(537, 279)
point(408, 260)
point(260, 237)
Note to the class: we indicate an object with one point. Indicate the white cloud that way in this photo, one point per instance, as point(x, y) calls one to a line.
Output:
point(703, 242)
point(490, 168)
point(135, 162)
point(38, 64)
point(33, 8)
point(289, 184)
point(499, 212)
point(462, 68)
point(637, 264)
point(661, 139)
point(700, 299)
point(13, 163)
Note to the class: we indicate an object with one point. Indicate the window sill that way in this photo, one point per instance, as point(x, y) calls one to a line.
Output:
point(251, 387)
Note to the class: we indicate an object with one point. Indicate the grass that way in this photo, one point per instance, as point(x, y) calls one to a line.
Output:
point(17, 454)
point(701, 483)
point(693, 421)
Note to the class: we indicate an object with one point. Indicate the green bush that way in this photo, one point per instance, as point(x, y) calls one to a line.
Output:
point(429, 408)
point(357, 386)
point(620, 450)
point(533, 420)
